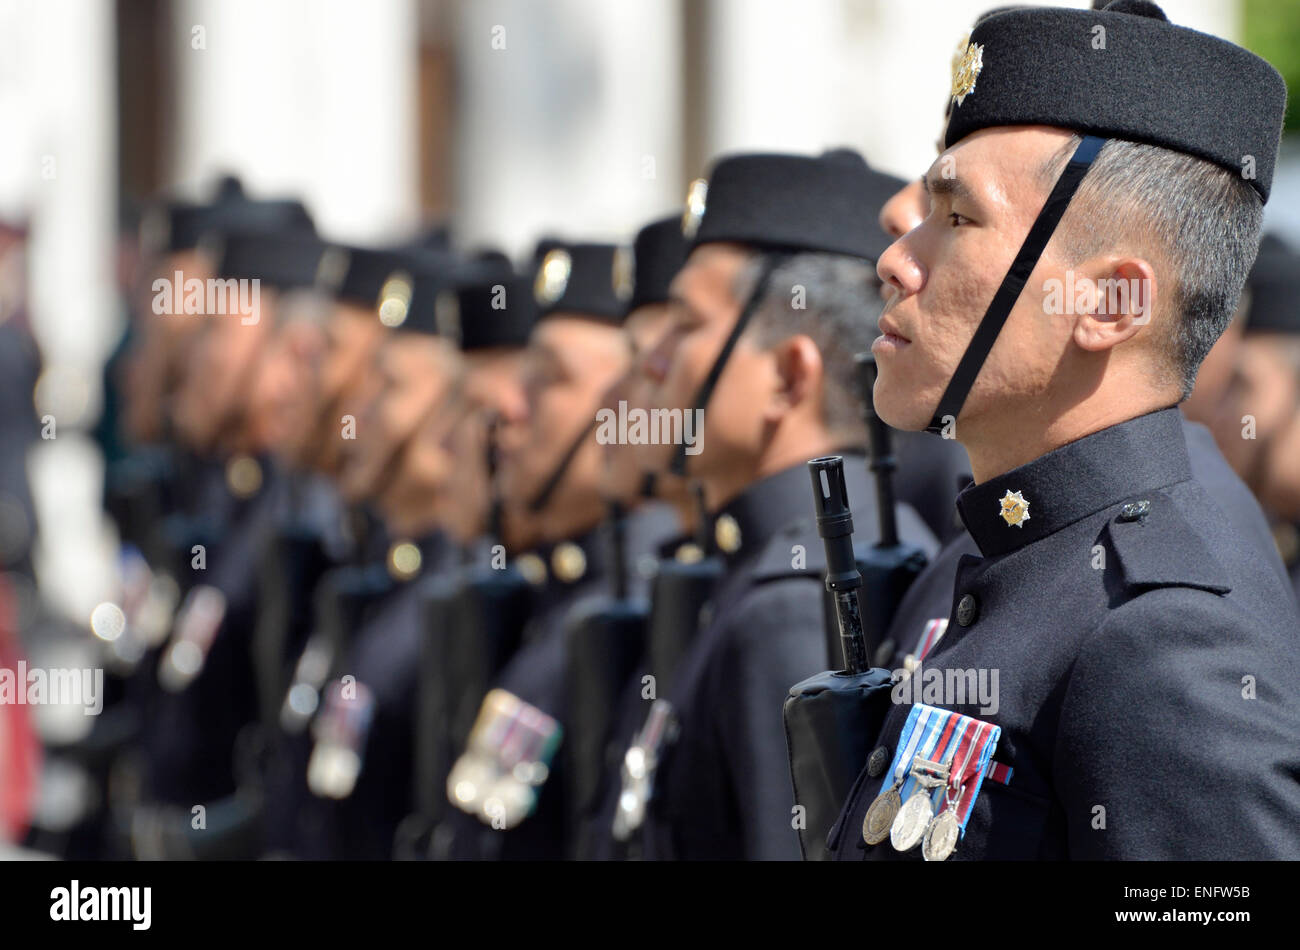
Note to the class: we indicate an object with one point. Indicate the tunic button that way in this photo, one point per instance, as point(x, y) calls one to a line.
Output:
point(877, 761)
point(967, 608)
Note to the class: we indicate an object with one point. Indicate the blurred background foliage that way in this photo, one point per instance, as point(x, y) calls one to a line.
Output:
point(1271, 28)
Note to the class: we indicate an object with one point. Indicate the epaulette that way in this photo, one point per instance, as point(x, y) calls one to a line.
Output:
point(1157, 547)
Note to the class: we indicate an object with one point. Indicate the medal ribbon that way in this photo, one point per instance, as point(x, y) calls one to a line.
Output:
point(934, 631)
point(972, 755)
point(939, 746)
point(913, 732)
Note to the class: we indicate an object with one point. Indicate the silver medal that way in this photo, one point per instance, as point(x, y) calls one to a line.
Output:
point(910, 823)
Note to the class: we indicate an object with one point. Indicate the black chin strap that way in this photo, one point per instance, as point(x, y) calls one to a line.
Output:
point(986, 334)
point(495, 507)
point(548, 487)
point(770, 263)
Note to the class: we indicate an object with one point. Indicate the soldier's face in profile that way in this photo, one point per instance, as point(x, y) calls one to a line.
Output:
point(492, 387)
point(214, 396)
point(413, 502)
point(413, 371)
point(571, 363)
point(1264, 387)
point(288, 396)
point(941, 275)
point(346, 383)
point(705, 307)
point(159, 360)
point(626, 464)
point(462, 509)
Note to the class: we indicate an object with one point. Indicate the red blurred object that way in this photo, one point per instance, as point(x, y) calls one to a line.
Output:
point(20, 751)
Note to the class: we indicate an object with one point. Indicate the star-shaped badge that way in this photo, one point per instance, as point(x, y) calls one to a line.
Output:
point(1015, 509)
point(966, 66)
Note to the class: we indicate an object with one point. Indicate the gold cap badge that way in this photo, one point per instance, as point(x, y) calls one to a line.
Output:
point(394, 299)
point(446, 314)
point(726, 532)
point(1015, 509)
point(624, 270)
point(568, 562)
point(695, 202)
point(332, 269)
point(966, 65)
point(552, 276)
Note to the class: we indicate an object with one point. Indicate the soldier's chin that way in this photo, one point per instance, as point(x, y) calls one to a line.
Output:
point(903, 407)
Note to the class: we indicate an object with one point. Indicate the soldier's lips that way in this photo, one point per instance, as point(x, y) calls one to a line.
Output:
point(889, 343)
point(890, 336)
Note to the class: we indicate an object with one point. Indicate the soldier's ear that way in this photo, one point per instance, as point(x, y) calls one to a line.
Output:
point(1112, 302)
point(799, 371)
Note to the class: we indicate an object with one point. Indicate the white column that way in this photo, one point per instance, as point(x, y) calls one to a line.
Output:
point(57, 116)
point(568, 118)
point(315, 99)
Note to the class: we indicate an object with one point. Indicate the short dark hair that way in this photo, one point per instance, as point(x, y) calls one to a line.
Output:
point(1204, 219)
point(835, 301)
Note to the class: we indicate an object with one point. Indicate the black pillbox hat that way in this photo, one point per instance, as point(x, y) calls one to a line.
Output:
point(176, 226)
point(416, 299)
point(357, 275)
point(1274, 286)
point(658, 253)
point(829, 203)
point(491, 313)
point(282, 261)
point(1124, 72)
point(589, 280)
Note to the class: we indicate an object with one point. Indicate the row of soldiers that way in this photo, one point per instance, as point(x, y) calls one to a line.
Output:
point(429, 556)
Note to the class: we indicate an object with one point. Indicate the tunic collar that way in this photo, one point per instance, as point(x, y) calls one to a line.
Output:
point(1074, 481)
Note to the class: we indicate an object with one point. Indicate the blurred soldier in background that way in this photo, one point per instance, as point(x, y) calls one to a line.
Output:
point(1257, 421)
point(551, 469)
point(193, 727)
point(362, 757)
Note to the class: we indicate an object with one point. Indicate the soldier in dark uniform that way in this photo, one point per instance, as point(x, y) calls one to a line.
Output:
point(1148, 669)
point(380, 368)
point(551, 472)
point(1258, 419)
point(207, 702)
point(769, 307)
point(654, 512)
point(400, 464)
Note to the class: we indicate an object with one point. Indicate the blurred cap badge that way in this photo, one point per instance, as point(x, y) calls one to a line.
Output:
point(552, 276)
point(446, 313)
point(1015, 509)
point(155, 230)
point(333, 267)
point(624, 265)
point(695, 202)
point(394, 299)
point(966, 65)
